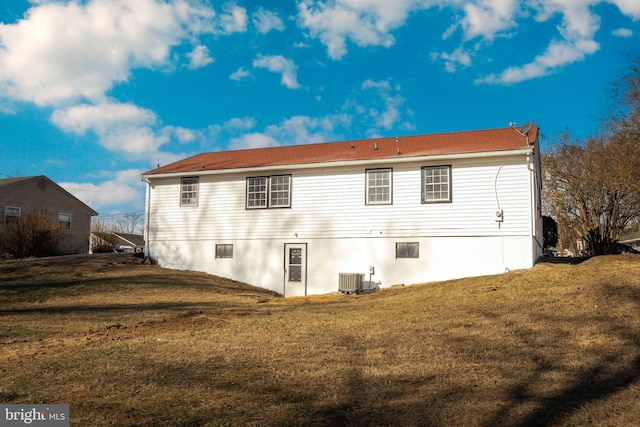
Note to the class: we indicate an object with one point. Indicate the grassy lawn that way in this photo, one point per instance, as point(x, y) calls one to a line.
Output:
point(127, 344)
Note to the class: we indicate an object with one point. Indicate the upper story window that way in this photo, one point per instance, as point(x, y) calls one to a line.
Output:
point(189, 191)
point(378, 186)
point(11, 214)
point(269, 192)
point(436, 184)
point(64, 221)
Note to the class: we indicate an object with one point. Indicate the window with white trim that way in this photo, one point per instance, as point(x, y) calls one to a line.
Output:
point(269, 192)
point(224, 251)
point(379, 186)
point(279, 191)
point(407, 250)
point(436, 184)
point(189, 191)
point(64, 221)
point(11, 214)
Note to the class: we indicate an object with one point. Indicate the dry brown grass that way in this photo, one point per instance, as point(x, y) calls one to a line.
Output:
point(128, 344)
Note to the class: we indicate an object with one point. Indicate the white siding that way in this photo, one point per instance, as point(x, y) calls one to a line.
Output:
point(328, 212)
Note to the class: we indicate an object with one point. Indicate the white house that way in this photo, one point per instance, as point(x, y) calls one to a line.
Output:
point(399, 210)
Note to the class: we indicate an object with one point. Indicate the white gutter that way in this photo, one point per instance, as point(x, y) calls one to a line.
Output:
point(387, 160)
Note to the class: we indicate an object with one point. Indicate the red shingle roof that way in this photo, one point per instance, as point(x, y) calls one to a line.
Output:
point(479, 141)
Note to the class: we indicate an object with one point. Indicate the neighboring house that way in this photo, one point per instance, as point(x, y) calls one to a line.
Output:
point(632, 240)
point(398, 210)
point(21, 196)
point(119, 242)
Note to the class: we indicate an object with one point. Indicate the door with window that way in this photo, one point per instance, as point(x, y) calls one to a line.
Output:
point(295, 269)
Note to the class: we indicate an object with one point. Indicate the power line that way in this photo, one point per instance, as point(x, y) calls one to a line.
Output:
point(120, 214)
point(94, 190)
point(552, 139)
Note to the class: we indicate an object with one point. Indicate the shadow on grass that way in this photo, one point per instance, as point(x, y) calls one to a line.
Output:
point(611, 373)
point(562, 260)
point(205, 285)
point(174, 306)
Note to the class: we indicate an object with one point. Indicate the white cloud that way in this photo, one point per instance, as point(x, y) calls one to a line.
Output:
point(101, 118)
point(124, 189)
point(184, 135)
point(295, 130)
point(266, 21)
point(119, 127)
point(65, 52)
point(364, 22)
point(253, 140)
point(385, 113)
point(239, 74)
point(487, 18)
point(199, 57)
point(622, 32)
point(388, 114)
point(304, 129)
point(281, 65)
point(577, 40)
point(7, 109)
point(234, 19)
point(237, 123)
point(557, 55)
point(628, 7)
point(371, 23)
point(458, 58)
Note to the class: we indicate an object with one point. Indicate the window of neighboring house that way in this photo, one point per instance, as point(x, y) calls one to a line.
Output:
point(269, 192)
point(64, 221)
point(189, 191)
point(436, 184)
point(378, 186)
point(11, 214)
point(407, 250)
point(224, 251)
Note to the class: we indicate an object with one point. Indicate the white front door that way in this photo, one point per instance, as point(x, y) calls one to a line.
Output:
point(295, 269)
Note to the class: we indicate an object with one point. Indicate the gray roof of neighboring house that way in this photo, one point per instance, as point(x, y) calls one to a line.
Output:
point(7, 182)
point(10, 181)
point(134, 239)
point(630, 237)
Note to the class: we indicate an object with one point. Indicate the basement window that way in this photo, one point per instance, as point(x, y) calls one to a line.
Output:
point(224, 251)
point(407, 250)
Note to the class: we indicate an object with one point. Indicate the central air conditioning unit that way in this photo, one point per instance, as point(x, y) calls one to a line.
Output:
point(350, 282)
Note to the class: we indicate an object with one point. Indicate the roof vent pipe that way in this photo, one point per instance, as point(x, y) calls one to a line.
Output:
point(398, 152)
point(375, 145)
point(353, 144)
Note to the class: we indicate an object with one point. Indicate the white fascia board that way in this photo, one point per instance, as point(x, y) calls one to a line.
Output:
point(386, 161)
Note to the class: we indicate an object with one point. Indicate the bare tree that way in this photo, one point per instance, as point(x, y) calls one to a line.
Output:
point(596, 190)
point(102, 239)
point(130, 223)
point(36, 234)
point(594, 185)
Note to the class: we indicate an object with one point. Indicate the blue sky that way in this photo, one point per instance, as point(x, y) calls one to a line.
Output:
point(95, 92)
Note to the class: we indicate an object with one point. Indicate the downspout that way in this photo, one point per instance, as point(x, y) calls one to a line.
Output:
point(147, 241)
